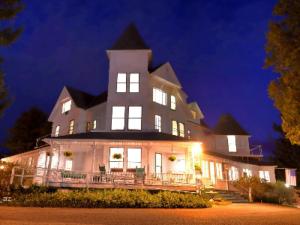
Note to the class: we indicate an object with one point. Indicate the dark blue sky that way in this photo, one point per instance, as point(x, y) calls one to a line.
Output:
point(216, 48)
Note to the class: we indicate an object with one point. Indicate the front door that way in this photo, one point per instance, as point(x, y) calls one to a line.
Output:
point(212, 172)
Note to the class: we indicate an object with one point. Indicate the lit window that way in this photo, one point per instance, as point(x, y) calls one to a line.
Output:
point(116, 157)
point(71, 127)
point(134, 157)
point(264, 175)
point(189, 134)
point(219, 171)
point(173, 102)
point(57, 128)
point(233, 173)
point(159, 96)
point(174, 128)
point(134, 82)
point(69, 164)
point(193, 114)
point(181, 129)
point(88, 126)
point(94, 124)
point(135, 118)
point(231, 143)
point(158, 164)
point(66, 107)
point(121, 82)
point(247, 173)
point(157, 123)
point(205, 170)
point(118, 117)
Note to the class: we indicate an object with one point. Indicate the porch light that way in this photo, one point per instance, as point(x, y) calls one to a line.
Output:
point(197, 149)
point(2, 167)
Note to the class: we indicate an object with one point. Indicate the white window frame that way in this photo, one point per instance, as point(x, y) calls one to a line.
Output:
point(159, 96)
point(231, 140)
point(174, 128)
point(173, 102)
point(66, 106)
point(118, 118)
point(219, 171)
point(71, 126)
point(57, 129)
point(134, 158)
point(157, 123)
point(205, 168)
point(135, 117)
point(69, 164)
point(121, 83)
point(181, 129)
point(134, 84)
point(116, 163)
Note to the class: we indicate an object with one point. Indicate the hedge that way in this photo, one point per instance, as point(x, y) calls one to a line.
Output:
point(115, 198)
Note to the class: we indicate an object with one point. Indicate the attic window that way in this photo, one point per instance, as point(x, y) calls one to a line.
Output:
point(231, 143)
point(66, 107)
point(159, 96)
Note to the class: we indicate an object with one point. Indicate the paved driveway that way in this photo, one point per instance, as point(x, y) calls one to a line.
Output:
point(233, 214)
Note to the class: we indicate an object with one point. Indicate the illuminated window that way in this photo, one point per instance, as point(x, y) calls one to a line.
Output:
point(174, 128)
point(121, 82)
point(116, 157)
point(189, 134)
point(66, 106)
point(205, 169)
point(158, 163)
point(157, 123)
point(88, 126)
point(135, 118)
point(134, 157)
point(118, 118)
point(193, 114)
point(233, 173)
point(159, 96)
point(134, 82)
point(71, 127)
point(68, 164)
point(94, 124)
point(219, 171)
point(231, 143)
point(181, 129)
point(264, 175)
point(247, 173)
point(173, 102)
point(57, 128)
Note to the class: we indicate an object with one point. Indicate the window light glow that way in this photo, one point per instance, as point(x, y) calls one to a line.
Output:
point(71, 127)
point(135, 118)
point(134, 82)
point(118, 118)
point(159, 96)
point(157, 123)
point(68, 164)
point(113, 161)
point(264, 175)
point(66, 106)
point(205, 169)
point(121, 82)
point(231, 143)
point(181, 129)
point(57, 128)
point(134, 158)
point(173, 102)
point(174, 128)
point(219, 171)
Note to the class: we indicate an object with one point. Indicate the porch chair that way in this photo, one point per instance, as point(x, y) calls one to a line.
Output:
point(102, 171)
point(140, 175)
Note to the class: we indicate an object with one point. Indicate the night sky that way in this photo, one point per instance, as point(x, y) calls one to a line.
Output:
point(216, 48)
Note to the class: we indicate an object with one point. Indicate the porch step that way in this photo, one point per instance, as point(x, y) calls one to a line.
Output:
point(232, 196)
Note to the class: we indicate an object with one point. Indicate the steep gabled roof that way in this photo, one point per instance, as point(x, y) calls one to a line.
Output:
point(167, 73)
point(130, 39)
point(84, 100)
point(227, 125)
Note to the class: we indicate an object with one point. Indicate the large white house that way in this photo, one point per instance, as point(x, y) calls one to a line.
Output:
point(143, 122)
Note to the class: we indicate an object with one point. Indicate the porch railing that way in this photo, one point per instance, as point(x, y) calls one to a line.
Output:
point(56, 177)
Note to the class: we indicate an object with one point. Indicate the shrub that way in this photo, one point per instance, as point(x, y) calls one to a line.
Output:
point(116, 198)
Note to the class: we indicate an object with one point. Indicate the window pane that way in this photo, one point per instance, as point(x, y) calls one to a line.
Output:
point(135, 118)
point(174, 128)
point(121, 77)
point(135, 111)
point(118, 118)
point(134, 157)
point(69, 164)
point(71, 127)
point(117, 124)
point(57, 131)
point(94, 124)
point(118, 111)
point(134, 124)
point(134, 87)
point(66, 106)
point(134, 77)
point(121, 87)
point(231, 143)
point(159, 96)
point(121, 82)
point(173, 102)
point(205, 170)
point(181, 129)
point(157, 122)
point(116, 157)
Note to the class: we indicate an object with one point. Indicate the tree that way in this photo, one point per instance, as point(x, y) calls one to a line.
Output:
point(283, 56)
point(248, 185)
point(8, 34)
point(286, 154)
point(31, 125)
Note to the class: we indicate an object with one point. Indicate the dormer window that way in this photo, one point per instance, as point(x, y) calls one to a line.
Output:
point(121, 82)
point(231, 143)
point(66, 107)
point(134, 80)
point(173, 102)
point(159, 96)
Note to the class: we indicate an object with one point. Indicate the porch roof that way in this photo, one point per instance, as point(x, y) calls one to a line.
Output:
point(147, 136)
point(246, 159)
